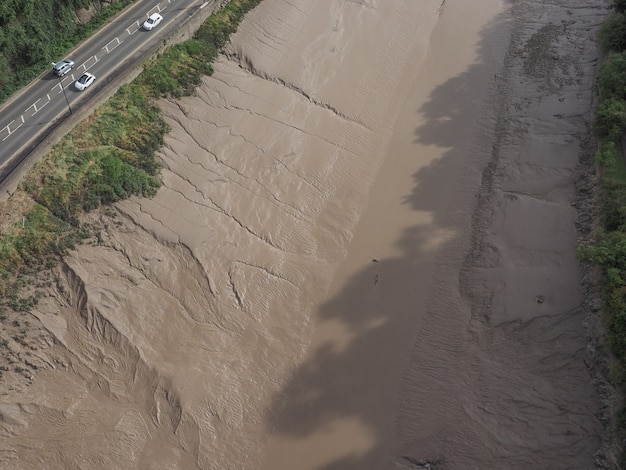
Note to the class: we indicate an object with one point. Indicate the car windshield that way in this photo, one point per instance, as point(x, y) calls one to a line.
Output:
point(150, 21)
point(83, 79)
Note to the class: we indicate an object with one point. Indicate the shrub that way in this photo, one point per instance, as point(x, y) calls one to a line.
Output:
point(612, 34)
point(619, 5)
point(610, 80)
point(608, 251)
point(614, 210)
point(117, 180)
point(610, 119)
point(608, 153)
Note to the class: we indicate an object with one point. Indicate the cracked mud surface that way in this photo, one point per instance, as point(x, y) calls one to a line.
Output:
point(362, 257)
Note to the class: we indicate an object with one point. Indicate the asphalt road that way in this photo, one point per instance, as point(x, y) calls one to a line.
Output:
point(32, 113)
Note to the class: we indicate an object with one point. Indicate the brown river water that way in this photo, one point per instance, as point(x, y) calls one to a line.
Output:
point(362, 257)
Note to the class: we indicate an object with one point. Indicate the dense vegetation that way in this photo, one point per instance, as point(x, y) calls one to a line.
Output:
point(35, 33)
point(109, 157)
point(608, 248)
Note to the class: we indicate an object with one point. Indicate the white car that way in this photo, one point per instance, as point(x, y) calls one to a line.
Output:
point(152, 22)
point(84, 81)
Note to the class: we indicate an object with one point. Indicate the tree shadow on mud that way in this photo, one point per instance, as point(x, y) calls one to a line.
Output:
point(383, 309)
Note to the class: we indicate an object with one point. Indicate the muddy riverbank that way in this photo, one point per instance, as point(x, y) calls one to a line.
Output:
point(362, 256)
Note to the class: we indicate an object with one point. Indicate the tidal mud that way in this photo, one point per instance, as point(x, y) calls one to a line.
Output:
point(362, 257)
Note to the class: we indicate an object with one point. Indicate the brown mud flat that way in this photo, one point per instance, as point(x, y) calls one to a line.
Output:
point(362, 257)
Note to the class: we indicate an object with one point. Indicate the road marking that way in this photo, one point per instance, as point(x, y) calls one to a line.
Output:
point(34, 106)
point(43, 105)
point(84, 64)
point(158, 8)
point(135, 25)
point(8, 129)
point(109, 49)
point(60, 84)
point(38, 105)
point(12, 131)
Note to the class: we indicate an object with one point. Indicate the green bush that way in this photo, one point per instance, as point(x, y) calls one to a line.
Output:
point(619, 5)
point(179, 70)
point(38, 239)
point(610, 119)
point(612, 34)
point(116, 180)
point(609, 250)
point(608, 153)
point(132, 122)
point(614, 209)
point(217, 29)
point(610, 81)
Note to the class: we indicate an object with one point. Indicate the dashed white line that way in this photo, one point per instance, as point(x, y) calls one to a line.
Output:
point(8, 129)
point(110, 48)
point(21, 124)
point(34, 105)
point(84, 64)
point(45, 104)
point(135, 25)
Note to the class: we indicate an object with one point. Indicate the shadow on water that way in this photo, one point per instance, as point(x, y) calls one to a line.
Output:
point(358, 382)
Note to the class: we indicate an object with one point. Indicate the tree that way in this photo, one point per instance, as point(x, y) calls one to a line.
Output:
point(612, 34)
point(610, 119)
point(619, 5)
point(610, 82)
